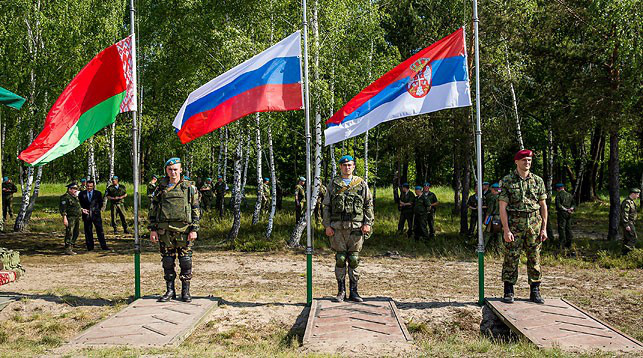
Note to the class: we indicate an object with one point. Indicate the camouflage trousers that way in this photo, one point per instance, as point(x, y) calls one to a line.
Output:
point(120, 210)
point(171, 245)
point(564, 230)
point(629, 239)
point(419, 227)
point(71, 231)
point(526, 231)
point(347, 243)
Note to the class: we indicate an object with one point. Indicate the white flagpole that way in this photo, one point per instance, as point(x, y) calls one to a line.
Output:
point(137, 245)
point(478, 158)
point(309, 239)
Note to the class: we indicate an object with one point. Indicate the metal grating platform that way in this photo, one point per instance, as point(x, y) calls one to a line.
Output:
point(558, 323)
point(148, 323)
point(375, 320)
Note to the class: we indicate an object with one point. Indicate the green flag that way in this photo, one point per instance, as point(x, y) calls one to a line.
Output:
point(11, 99)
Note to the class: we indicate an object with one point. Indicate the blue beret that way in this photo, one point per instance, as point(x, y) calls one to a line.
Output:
point(5, 178)
point(302, 179)
point(83, 180)
point(559, 185)
point(485, 183)
point(427, 184)
point(172, 161)
point(266, 179)
point(406, 185)
point(219, 177)
point(185, 177)
point(346, 158)
point(115, 177)
point(417, 187)
point(208, 179)
point(495, 185)
point(155, 176)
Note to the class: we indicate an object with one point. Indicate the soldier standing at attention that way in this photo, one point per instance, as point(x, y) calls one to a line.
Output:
point(523, 212)
point(115, 194)
point(430, 220)
point(70, 211)
point(421, 209)
point(491, 237)
point(8, 189)
point(472, 204)
point(219, 191)
point(485, 192)
point(207, 195)
point(174, 222)
point(628, 220)
point(151, 187)
point(348, 217)
point(564, 211)
point(300, 199)
point(319, 208)
point(406, 210)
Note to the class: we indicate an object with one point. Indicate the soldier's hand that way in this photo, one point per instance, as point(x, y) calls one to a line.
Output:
point(543, 235)
point(65, 221)
point(509, 236)
point(366, 229)
point(192, 236)
point(329, 231)
point(154, 236)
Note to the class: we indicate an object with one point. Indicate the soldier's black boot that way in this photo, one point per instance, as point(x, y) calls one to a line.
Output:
point(534, 295)
point(509, 293)
point(170, 275)
point(354, 296)
point(341, 291)
point(185, 291)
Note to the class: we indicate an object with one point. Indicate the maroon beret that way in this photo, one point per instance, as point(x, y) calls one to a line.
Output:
point(523, 153)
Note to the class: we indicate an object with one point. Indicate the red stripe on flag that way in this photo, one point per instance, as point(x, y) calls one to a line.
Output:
point(272, 97)
point(101, 79)
point(450, 46)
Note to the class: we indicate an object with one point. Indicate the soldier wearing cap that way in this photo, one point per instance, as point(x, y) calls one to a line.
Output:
point(71, 211)
point(523, 212)
point(219, 192)
point(300, 199)
point(115, 193)
point(492, 218)
point(564, 210)
point(8, 189)
point(433, 199)
point(628, 220)
point(348, 217)
point(406, 210)
point(207, 196)
point(83, 184)
point(174, 222)
point(421, 209)
point(265, 195)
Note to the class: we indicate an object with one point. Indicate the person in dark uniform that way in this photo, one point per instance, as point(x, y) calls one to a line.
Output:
point(91, 202)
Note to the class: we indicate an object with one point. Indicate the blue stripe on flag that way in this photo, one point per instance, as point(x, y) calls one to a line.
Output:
point(281, 70)
point(451, 69)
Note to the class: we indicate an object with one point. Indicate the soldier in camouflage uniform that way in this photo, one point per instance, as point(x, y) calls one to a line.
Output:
point(628, 220)
point(300, 199)
point(472, 204)
point(219, 192)
point(83, 184)
point(174, 222)
point(348, 217)
point(430, 219)
point(319, 208)
point(492, 214)
point(406, 210)
point(523, 212)
point(265, 195)
point(207, 195)
point(151, 188)
point(421, 209)
point(115, 194)
point(564, 211)
point(8, 189)
point(71, 211)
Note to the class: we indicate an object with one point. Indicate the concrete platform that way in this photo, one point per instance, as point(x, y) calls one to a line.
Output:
point(558, 323)
point(148, 323)
point(374, 321)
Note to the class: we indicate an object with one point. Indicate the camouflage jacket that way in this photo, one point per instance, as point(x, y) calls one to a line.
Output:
point(432, 199)
point(151, 187)
point(113, 191)
point(628, 212)
point(219, 188)
point(409, 197)
point(206, 190)
point(522, 195)
point(493, 207)
point(69, 205)
point(265, 191)
point(348, 206)
point(175, 207)
point(473, 201)
point(421, 205)
point(564, 201)
point(11, 189)
point(300, 195)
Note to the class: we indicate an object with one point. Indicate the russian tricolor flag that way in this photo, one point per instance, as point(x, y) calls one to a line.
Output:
point(435, 78)
point(270, 81)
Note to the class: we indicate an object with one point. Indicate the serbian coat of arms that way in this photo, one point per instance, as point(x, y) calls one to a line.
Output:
point(420, 84)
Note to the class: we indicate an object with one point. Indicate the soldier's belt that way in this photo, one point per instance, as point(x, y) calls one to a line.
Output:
point(523, 214)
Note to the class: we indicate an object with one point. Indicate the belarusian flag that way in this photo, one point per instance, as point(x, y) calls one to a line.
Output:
point(11, 99)
point(90, 102)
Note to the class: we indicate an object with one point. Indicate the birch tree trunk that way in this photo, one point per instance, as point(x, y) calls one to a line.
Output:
point(273, 186)
point(25, 185)
point(246, 159)
point(257, 212)
point(34, 197)
point(236, 196)
point(515, 102)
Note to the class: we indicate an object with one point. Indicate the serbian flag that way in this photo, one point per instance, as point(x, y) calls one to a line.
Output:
point(90, 102)
point(270, 81)
point(433, 79)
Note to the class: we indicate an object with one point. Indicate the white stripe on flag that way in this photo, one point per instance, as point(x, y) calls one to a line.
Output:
point(448, 95)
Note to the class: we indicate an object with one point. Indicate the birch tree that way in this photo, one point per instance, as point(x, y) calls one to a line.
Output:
point(257, 211)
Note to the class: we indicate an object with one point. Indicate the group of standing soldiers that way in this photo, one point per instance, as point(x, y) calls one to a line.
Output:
point(417, 211)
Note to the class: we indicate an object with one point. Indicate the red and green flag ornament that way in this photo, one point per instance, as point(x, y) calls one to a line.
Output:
point(89, 103)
